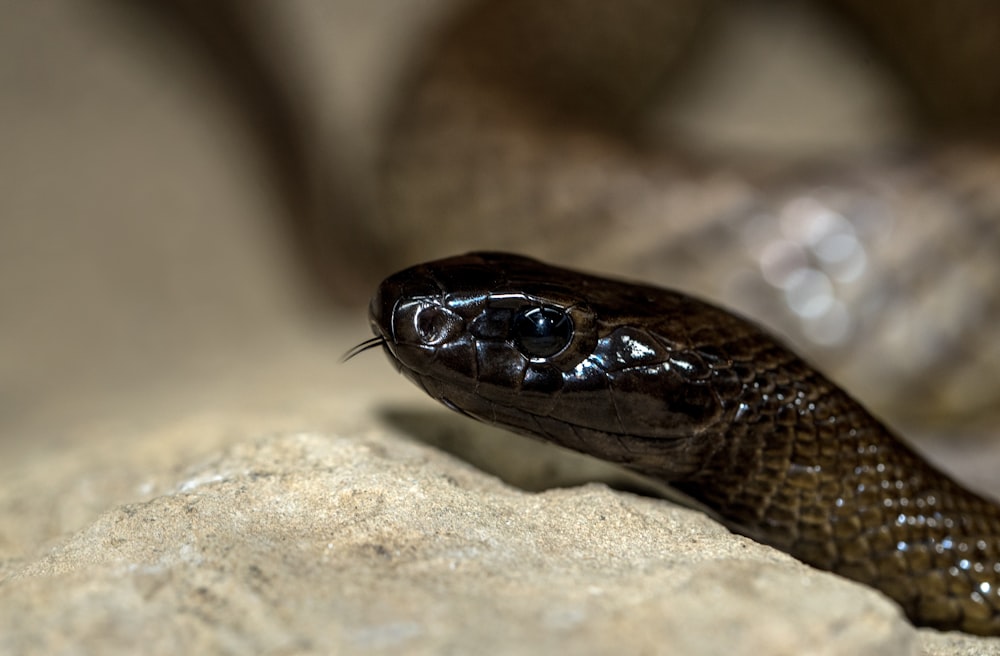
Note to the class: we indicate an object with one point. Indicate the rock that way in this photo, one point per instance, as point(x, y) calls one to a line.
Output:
point(326, 543)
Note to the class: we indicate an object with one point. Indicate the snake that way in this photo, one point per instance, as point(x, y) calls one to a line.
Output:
point(687, 393)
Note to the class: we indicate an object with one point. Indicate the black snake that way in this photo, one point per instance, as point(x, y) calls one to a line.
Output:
point(687, 393)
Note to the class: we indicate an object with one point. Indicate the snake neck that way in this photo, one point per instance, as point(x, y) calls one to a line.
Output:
point(822, 479)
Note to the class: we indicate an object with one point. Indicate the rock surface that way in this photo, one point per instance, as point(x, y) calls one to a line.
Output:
point(373, 542)
point(319, 543)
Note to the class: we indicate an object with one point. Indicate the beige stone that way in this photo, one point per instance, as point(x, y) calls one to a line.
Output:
point(327, 543)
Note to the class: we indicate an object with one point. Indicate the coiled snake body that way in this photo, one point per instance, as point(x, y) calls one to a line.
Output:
point(687, 393)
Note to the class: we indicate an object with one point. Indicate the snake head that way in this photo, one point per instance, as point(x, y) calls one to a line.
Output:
point(599, 366)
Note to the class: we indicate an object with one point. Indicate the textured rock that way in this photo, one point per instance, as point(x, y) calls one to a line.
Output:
point(236, 533)
point(310, 543)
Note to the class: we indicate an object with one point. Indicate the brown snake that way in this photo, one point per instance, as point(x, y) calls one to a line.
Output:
point(687, 393)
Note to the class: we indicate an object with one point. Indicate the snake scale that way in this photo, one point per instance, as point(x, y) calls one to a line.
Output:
point(687, 393)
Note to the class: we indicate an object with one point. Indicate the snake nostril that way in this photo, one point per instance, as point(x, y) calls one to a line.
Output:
point(431, 324)
point(424, 322)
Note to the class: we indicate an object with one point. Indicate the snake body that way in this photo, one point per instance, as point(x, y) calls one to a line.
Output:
point(687, 393)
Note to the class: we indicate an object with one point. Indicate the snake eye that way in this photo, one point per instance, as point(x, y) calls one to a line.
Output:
point(541, 332)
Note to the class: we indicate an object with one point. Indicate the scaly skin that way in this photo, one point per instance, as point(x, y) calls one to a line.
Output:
point(690, 394)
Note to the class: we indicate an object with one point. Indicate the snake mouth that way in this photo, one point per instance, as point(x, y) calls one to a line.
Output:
point(448, 403)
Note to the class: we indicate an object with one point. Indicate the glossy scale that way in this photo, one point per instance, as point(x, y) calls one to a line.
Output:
point(685, 392)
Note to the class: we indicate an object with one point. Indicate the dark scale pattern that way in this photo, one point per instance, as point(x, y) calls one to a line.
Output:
point(683, 391)
point(809, 471)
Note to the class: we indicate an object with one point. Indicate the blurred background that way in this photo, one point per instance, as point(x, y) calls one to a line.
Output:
point(197, 199)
